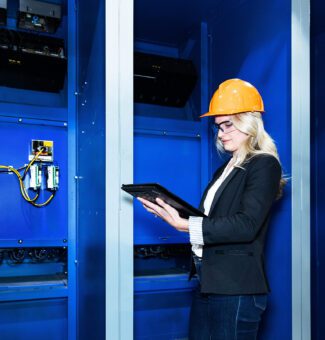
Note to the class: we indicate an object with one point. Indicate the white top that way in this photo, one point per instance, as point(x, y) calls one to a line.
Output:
point(195, 223)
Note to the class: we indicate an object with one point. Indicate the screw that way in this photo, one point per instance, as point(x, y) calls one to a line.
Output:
point(20, 241)
point(65, 241)
point(20, 120)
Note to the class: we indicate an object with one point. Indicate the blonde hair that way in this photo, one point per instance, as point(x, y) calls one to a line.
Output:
point(258, 142)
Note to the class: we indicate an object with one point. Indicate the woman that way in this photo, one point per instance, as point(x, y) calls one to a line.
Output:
point(228, 244)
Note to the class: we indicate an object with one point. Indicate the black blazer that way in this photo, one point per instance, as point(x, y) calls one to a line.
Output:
point(235, 230)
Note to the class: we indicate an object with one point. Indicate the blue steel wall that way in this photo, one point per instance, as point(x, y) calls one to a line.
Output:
point(21, 221)
point(32, 311)
point(166, 152)
point(40, 310)
point(168, 149)
point(248, 44)
point(91, 170)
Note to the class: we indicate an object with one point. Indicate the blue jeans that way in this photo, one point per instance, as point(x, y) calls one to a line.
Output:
point(225, 317)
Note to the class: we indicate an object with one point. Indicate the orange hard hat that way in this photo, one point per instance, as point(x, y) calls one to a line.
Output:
point(235, 96)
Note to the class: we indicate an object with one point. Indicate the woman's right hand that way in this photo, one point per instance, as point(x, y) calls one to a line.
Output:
point(166, 212)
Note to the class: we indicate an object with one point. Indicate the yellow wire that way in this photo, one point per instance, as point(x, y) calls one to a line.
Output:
point(43, 204)
point(11, 169)
point(21, 185)
point(23, 190)
point(32, 161)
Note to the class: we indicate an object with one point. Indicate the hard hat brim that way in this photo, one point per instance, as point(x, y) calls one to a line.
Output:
point(211, 114)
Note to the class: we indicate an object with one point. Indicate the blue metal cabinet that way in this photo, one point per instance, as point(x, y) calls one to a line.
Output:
point(59, 297)
point(162, 306)
point(34, 319)
point(241, 42)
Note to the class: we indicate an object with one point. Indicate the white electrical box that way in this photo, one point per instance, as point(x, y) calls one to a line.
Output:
point(52, 177)
point(35, 180)
point(46, 146)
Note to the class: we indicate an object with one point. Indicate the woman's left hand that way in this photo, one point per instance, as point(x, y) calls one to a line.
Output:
point(166, 212)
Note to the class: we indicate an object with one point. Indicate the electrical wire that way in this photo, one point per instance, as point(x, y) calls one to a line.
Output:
point(39, 205)
point(32, 162)
point(23, 190)
point(19, 169)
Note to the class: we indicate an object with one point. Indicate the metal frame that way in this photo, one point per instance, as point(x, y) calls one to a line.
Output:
point(300, 80)
point(72, 166)
point(119, 165)
point(205, 147)
point(119, 168)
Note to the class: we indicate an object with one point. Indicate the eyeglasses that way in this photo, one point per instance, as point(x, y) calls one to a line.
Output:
point(226, 127)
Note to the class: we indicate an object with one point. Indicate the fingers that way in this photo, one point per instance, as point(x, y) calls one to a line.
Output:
point(149, 204)
point(172, 211)
point(150, 207)
point(163, 210)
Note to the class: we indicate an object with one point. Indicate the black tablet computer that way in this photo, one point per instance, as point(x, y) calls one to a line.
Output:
point(150, 191)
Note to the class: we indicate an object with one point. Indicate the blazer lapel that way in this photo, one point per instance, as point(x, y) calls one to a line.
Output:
point(215, 177)
point(222, 187)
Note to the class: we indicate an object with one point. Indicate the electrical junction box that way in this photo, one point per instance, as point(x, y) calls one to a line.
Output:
point(52, 177)
point(35, 177)
point(47, 152)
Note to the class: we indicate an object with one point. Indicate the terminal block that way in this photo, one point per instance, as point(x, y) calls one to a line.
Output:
point(53, 177)
point(35, 180)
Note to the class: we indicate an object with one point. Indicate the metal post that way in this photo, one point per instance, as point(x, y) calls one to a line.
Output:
point(300, 70)
point(119, 169)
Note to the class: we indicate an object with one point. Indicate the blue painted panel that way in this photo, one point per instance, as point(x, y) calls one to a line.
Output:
point(19, 219)
point(34, 320)
point(91, 169)
point(183, 17)
point(173, 160)
point(33, 111)
point(161, 283)
point(162, 316)
point(255, 49)
point(162, 306)
point(35, 293)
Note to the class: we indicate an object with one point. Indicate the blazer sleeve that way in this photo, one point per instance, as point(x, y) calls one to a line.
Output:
point(262, 185)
